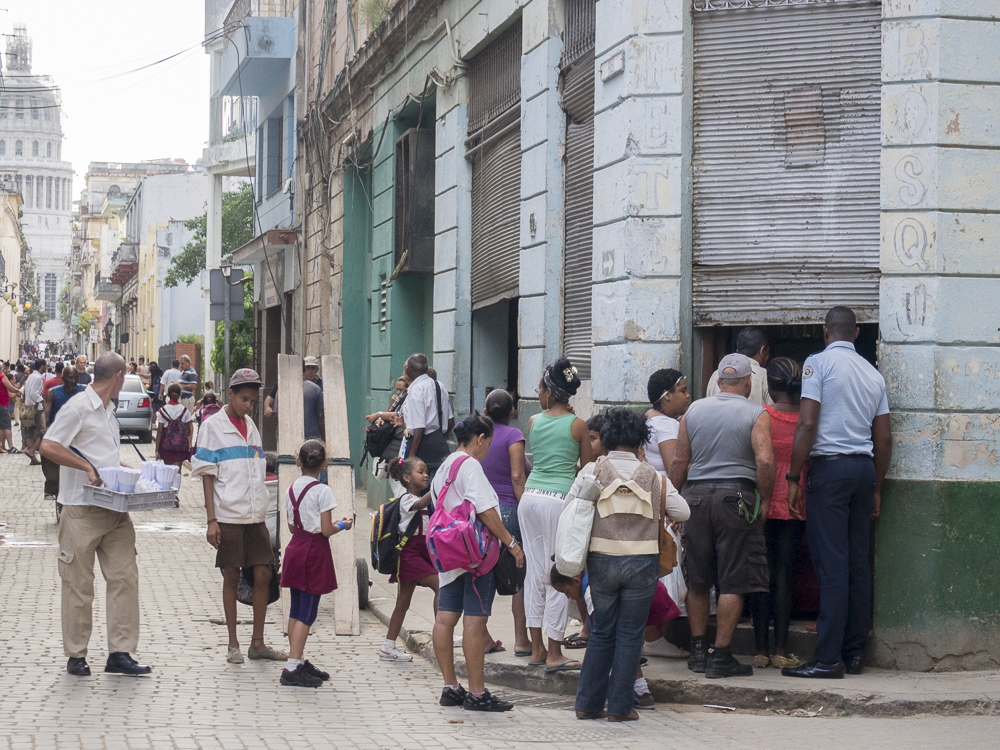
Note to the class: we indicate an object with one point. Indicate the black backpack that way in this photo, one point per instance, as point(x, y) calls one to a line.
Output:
point(386, 541)
point(377, 439)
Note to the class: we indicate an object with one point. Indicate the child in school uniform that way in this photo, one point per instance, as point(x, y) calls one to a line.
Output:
point(308, 563)
point(415, 566)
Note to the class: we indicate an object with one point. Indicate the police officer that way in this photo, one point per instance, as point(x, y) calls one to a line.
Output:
point(845, 434)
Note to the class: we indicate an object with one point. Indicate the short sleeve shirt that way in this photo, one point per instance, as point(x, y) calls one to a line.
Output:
point(851, 393)
point(174, 412)
point(470, 484)
point(406, 513)
point(420, 407)
point(316, 502)
point(661, 429)
point(86, 424)
point(188, 377)
point(173, 375)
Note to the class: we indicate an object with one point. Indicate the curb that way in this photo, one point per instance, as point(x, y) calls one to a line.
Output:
point(699, 691)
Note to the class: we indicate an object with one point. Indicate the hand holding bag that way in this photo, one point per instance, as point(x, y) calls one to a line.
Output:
point(576, 522)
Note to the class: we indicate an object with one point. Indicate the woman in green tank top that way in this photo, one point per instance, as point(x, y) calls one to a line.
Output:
point(559, 443)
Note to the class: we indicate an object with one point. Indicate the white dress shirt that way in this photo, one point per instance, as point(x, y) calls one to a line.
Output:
point(420, 407)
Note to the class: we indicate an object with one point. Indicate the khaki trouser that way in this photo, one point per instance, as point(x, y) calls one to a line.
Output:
point(83, 531)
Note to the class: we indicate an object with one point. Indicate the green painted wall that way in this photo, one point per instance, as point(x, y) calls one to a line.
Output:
point(937, 576)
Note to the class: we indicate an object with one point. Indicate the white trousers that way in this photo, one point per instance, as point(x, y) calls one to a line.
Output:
point(544, 607)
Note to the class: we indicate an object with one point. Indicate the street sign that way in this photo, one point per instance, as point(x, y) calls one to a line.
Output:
point(217, 290)
point(93, 335)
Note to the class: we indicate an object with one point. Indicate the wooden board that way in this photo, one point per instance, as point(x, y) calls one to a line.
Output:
point(341, 481)
point(291, 435)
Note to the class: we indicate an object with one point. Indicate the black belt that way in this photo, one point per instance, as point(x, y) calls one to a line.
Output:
point(726, 484)
point(838, 456)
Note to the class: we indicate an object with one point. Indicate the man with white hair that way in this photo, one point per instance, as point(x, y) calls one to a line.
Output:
point(83, 377)
point(84, 438)
point(188, 381)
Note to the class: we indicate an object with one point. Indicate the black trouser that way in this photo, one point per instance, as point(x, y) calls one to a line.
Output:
point(838, 524)
point(783, 539)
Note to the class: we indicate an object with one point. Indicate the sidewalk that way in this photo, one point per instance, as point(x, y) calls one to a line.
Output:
point(876, 693)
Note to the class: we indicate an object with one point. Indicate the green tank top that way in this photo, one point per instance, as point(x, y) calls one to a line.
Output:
point(554, 454)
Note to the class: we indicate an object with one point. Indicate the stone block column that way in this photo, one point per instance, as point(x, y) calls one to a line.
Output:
point(638, 186)
point(543, 132)
point(937, 583)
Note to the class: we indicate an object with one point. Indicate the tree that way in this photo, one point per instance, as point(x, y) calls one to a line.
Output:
point(237, 230)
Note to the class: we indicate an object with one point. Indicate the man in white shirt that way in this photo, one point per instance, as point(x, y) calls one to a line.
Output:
point(173, 375)
point(750, 342)
point(82, 440)
point(30, 421)
point(425, 411)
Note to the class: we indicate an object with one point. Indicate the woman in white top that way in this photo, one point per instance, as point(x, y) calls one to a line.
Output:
point(461, 591)
point(668, 393)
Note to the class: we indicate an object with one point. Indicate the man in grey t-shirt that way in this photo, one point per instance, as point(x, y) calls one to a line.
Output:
point(724, 461)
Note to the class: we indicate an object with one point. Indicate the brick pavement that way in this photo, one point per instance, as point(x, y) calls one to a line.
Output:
point(195, 700)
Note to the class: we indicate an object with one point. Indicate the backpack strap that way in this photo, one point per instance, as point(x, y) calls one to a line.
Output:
point(165, 417)
point(296, 502)
point(452, 473)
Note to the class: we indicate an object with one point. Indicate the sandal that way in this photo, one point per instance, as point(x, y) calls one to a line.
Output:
point(497, 648)
point(575, 641)
point(565, 666)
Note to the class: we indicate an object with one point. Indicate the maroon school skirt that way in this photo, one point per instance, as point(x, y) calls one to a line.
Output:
point(308, 564)
point(663, 609)
point(414, 562)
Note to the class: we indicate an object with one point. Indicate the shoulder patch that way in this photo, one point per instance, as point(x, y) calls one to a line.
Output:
point(807, 372)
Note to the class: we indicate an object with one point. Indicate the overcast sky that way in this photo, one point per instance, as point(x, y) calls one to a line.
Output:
point(159, 112)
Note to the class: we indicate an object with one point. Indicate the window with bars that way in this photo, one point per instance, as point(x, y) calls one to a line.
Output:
point(50, 294)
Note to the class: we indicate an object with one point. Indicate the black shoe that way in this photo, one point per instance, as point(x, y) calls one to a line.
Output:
point(121, 663)
point(78, 667)
point(643, 661)
point(855, 664)
point(486, 702)
point(310, 669)
point(816, 670)
point(644, 701)
point(699, 655)
point(722, 663)
point(452, 697)
point(299, 678)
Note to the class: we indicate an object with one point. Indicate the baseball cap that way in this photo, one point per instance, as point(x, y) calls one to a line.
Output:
point(310, 362)
point(244, 376)
point(740, 363)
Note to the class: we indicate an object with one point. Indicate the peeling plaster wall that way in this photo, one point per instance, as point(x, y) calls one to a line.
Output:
point(936, 569)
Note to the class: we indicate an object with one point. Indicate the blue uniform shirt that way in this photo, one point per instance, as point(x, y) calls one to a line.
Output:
point(852, 394)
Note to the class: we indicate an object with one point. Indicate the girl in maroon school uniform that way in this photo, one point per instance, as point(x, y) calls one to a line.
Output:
point(415, 566)
point(307, 568)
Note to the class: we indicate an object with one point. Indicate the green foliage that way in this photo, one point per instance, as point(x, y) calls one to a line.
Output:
point(84, 322)
point(192, 338)
point(241, 336)
point(237, 230)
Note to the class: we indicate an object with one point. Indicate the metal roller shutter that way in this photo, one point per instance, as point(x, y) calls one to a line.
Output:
point(494, 148)
point(786, 161)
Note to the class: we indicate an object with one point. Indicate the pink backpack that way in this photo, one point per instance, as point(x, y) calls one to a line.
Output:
point(456, 539)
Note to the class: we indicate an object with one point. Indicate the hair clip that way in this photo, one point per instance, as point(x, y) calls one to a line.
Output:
point(568, 373)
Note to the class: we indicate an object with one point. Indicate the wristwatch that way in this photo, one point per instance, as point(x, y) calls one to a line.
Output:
point(793, 477)
point(513, 543)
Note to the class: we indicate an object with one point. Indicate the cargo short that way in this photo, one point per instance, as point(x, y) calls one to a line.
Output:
point(721, 548)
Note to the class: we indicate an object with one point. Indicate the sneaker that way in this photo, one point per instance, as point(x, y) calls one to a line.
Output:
point(721, 663)
point(452, 697)
point(486, 702)
point(394, 654)
point(266, 654)
point(780, 662)
point(310, 669)
point(233, 656)
point(300, 678)
point(644, 701)
point(699, 655)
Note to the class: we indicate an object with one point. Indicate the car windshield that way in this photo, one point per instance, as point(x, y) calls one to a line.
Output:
point(133, 385)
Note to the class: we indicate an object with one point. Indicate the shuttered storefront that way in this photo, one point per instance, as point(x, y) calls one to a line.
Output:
point(494, 148)
point(578, 102)
point(786, 160)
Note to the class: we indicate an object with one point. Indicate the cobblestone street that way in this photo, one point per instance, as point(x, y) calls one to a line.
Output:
point(195, 700)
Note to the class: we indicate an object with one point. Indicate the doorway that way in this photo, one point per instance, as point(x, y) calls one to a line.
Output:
point(494, 351)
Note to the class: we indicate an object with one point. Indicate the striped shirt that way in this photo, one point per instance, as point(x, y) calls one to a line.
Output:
point(239, 467)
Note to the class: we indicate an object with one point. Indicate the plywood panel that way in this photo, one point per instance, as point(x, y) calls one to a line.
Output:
point(291, 435)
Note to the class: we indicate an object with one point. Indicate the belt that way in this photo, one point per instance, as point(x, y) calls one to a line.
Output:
point(838, 456)
point(728, 484)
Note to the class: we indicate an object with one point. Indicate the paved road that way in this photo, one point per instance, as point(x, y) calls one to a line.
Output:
point(195, 700)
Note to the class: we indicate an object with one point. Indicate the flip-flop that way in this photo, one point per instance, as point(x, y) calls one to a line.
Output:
point(497, 648)
point(575, 641)
point(536, 663)
point(564, 667)
point(519, 654)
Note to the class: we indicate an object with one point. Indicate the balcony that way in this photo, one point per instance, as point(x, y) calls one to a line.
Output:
point(107, 291)
point(114, 203)
point(125, 262)
point(260, 62)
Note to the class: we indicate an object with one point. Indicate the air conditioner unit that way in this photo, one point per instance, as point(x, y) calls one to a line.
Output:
point(414, 217)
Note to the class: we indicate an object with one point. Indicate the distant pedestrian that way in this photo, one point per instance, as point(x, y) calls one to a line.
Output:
point(427, 414)
point(464, 595)
point(845, 433)
point(143, 372)
point(172, 375)
point(154, 391)
point(783, 531)
point(54, 400)
point(415, 565)
point(559, 442)
point(307, 568)
point(83, 439)
point(31, 417)
point(8, 395)
point(724, 463)
point(750, 342)
point(174, 429)
point(83, 376)
point(52, 379)
point(189, 383)
point(668, 393)
point(230, 460)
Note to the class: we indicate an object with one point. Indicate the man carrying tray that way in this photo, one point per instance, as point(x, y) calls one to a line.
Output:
point(87, 424)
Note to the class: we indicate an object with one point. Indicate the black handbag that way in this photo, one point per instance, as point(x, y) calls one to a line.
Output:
point(509, 578)
point(244, 590)
point(434, 448)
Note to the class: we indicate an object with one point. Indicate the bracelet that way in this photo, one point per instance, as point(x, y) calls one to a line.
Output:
point(211, 520)
point(513, 543)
